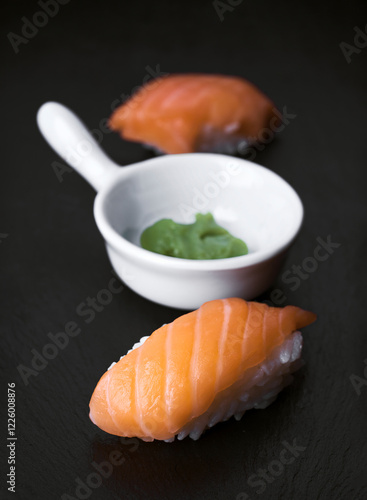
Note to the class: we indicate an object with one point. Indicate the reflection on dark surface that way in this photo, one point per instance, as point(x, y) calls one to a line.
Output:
point(187, 466)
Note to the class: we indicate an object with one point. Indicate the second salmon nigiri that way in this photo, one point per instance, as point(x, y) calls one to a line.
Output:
point(197, 112)
point(206, 366)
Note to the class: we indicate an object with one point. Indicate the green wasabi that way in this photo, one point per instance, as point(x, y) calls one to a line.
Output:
point(202, 240)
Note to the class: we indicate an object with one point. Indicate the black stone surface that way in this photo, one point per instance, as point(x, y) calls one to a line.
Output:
point(52, 257)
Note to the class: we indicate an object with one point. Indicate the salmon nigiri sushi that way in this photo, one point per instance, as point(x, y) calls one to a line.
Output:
point(196, 112)
point(226, 357)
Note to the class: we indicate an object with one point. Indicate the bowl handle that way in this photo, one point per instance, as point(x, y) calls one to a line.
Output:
point(69, 137)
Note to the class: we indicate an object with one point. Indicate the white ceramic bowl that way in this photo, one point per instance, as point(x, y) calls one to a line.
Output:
point(252, 202)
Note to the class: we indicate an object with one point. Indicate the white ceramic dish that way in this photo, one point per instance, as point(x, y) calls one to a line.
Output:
point(252, 202)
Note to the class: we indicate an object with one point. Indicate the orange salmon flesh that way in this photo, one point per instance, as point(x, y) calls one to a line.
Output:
point(174, 376)
point(180, 113)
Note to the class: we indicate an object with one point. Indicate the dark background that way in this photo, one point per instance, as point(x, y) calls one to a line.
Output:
point(53, 257)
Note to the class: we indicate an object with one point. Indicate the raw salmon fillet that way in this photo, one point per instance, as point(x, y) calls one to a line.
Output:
point(195, 112)
point(226, 357)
